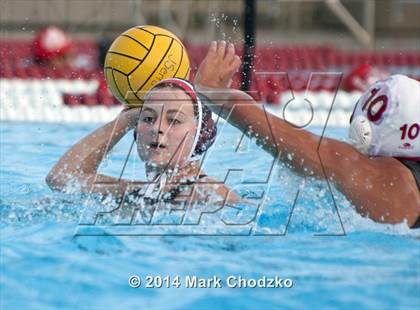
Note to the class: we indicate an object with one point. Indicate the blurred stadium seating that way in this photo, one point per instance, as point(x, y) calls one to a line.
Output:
point(297, 61)
point(295, 39)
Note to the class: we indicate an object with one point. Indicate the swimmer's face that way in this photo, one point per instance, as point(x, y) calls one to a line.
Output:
point(166, 128)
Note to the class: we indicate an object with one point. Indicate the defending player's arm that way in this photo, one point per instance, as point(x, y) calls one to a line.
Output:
point(79, 165)
point(281, 139)
point(369, 183)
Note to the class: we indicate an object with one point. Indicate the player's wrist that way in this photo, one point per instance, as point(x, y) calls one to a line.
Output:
point(128, 118)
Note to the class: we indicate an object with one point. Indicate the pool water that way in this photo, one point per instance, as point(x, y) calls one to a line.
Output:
point(335, 258)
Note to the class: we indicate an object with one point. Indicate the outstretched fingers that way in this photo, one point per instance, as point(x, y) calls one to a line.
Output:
point(212, 50)
point(221, 49)
point(219, 65)
point(230, 53)
point(236, 62)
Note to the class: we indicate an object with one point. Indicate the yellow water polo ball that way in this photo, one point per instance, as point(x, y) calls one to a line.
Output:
point(141, 57)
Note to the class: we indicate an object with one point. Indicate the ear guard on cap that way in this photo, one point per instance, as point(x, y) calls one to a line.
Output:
point(360, 133)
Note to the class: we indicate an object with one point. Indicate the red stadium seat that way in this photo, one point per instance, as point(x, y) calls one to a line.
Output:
point(89, 100)
point(72, 100)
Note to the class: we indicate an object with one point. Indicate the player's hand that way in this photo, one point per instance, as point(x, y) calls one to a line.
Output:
point(219, 66)
point(130, 116)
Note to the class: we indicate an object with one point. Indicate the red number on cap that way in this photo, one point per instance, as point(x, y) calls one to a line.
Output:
point(412, 133)
point(373, 92)
point(383, 101)
point(370, 104)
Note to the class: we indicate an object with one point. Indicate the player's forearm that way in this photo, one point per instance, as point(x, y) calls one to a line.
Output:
point(222, 101)
point(292, 145)
point(85, 156)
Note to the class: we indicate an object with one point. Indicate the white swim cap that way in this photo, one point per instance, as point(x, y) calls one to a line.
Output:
point(386, 119)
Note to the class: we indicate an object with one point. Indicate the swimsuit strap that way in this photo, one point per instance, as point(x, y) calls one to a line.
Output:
point(175, 192)
point(150, 195)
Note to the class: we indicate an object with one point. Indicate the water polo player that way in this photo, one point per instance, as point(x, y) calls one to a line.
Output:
point(379, 173)
point(172, 129)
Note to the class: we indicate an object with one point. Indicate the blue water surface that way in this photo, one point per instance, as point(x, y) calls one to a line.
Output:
point(335, 258)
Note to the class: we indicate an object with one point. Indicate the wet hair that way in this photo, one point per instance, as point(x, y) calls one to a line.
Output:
point(208, 130)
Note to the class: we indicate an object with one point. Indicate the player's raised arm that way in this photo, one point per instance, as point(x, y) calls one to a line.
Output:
point(281, 139)
point(79, 165)
point(369, 183)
